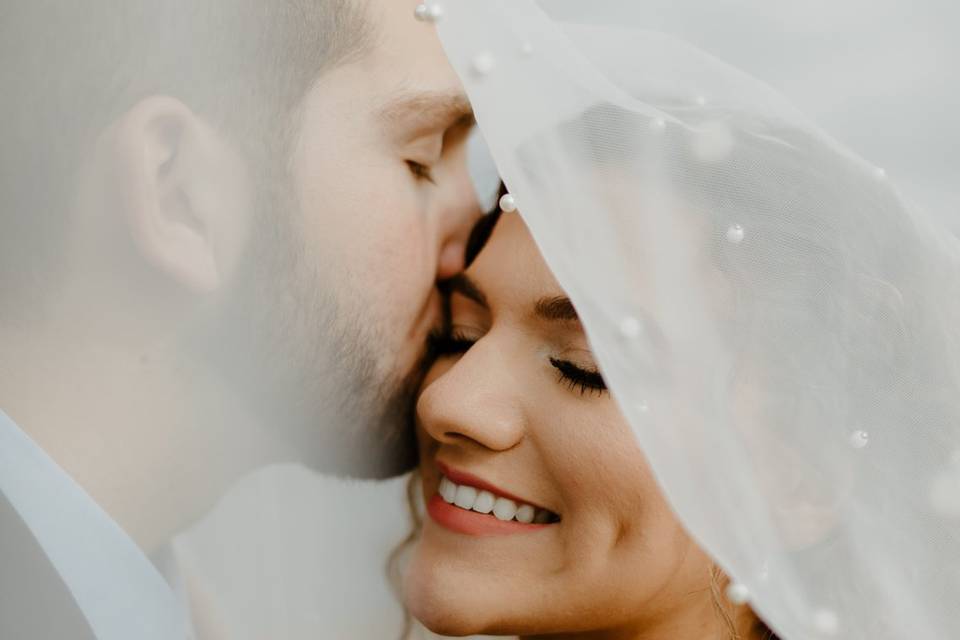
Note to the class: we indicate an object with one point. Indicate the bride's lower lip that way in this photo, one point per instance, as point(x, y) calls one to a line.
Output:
point(472, 523)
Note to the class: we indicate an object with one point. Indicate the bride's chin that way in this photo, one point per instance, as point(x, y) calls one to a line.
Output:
point(440, 601)
point(434, 609)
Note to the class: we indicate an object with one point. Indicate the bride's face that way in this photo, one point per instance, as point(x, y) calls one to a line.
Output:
point(515, 417)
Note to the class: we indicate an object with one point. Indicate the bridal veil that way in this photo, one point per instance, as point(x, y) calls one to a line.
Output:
point(777, 322)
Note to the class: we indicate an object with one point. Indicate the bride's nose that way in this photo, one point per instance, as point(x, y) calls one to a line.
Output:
point(477, 402)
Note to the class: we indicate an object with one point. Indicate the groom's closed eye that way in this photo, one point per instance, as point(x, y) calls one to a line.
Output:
point(419, 123)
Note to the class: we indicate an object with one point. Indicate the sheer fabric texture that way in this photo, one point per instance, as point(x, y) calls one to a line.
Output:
point(777, 323)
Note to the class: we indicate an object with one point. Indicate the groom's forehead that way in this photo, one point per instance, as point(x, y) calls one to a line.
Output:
point(406, 73)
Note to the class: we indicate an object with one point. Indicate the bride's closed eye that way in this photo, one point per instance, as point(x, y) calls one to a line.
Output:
point(443, 343)
point(578, 378)
point(583, 380)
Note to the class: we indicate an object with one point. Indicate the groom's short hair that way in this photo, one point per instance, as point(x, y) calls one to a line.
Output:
point(69, 68)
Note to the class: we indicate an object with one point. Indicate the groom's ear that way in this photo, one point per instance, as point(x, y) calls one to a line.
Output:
point(180, 189)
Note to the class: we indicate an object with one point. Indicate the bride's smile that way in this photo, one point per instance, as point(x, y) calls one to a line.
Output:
point(467, 504)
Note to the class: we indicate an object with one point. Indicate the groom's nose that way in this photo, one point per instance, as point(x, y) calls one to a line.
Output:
point(459, 209)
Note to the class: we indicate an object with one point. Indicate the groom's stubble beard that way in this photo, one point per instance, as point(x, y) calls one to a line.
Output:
point(307, 364)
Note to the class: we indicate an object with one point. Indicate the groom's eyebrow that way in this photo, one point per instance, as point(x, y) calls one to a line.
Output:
point(428, 111)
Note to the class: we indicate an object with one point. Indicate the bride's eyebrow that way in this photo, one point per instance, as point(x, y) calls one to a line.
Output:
point(558, 309)
point(466, 287)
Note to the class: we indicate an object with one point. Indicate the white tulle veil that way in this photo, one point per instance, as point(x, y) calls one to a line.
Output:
point(777, 323)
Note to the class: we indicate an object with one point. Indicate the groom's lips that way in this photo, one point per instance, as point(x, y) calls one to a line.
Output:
point(429, 317)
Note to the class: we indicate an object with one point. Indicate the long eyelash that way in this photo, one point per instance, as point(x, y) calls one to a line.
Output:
point(421, 171)
point(441, 343)
point(579, 379)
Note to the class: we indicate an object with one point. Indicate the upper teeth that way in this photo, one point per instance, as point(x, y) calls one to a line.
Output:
point(473, 499)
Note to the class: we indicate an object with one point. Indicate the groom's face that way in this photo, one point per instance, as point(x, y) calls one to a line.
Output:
point(379, 206)
point(381, 179)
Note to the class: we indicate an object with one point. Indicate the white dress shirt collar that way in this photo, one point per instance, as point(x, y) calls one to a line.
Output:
point(120, 592)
